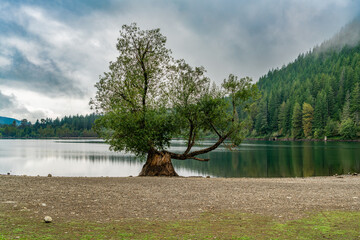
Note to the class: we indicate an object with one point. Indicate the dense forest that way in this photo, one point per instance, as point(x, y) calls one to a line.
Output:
point(315, 96)
point(72, 126)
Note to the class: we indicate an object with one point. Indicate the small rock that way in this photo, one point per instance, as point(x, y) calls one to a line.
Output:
point(130, 176)
point(24, 209)
point(49, 175)
point(47, 219)
point(43, 204)
point(207, 176)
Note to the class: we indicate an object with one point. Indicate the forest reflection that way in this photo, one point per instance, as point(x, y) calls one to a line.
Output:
point(281, 159)
point(252, 159)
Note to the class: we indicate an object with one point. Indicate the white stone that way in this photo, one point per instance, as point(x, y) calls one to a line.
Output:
point(47, 219)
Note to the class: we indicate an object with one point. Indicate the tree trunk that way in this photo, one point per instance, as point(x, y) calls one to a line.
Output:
point(158, 164)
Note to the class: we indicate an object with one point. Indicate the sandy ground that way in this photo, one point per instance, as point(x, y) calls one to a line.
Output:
point(109, 199)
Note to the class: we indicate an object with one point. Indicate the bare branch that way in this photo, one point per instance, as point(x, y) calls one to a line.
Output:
point(200, 159)
point(206, 150)
point(190, 144)
point(214, 128)
point(202, 151)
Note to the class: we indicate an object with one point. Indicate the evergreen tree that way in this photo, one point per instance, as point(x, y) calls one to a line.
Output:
point(347, 129)
point(346, 109)
point(297, 121)
point(307, 119)
point(330, 100)
point(287, 125)
point(331, 128)
point(282, 118)
point(320, 113)
point(262, 120)
point(355, 103)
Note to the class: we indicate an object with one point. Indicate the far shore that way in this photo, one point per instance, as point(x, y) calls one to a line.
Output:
point(301, 140)
point(246, 139)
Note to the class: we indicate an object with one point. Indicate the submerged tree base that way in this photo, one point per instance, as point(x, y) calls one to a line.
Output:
point(158, 164)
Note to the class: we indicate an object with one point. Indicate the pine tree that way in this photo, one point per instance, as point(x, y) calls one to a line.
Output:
point(320, 113)
point(348, 129)
point(297, 121)
point(281, 118)
point(307, 119)
point(262, 119)
point(330, 101)
point(355, 103)
point(287, 120)
point(346, 109)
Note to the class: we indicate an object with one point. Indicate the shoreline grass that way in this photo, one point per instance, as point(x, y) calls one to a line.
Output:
point(210, 225)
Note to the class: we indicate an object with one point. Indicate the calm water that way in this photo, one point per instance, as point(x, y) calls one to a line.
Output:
point(252, 159)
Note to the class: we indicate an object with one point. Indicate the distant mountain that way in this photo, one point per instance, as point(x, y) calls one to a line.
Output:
point(6, 120)
point(315, 96)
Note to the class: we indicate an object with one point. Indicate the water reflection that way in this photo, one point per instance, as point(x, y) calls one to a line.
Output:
point(252, 159)
point(281, 159)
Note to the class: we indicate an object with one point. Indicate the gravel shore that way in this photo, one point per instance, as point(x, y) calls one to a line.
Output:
point(112, 199)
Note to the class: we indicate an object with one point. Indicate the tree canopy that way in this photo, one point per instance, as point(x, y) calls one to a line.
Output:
point(147, 98)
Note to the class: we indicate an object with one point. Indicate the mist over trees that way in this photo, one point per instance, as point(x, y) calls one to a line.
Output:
point(315, 96)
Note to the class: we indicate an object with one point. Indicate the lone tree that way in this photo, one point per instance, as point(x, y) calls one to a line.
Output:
point(147, 98)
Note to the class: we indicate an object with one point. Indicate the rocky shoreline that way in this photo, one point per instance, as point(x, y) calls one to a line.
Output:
point(105, 198)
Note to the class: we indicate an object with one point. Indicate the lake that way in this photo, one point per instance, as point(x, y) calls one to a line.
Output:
point(252, 159)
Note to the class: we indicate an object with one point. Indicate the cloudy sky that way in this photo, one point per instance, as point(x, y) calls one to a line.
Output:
point(52, 52)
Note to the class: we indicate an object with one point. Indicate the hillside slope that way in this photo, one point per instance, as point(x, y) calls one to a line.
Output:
point(317, 95)
point(8, 121)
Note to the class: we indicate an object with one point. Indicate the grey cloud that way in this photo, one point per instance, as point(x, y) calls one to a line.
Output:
point(349, 35)
point(6, 101)
point(242, 37)
point(24, 74)
point(39, 51)
point(261, 35)
point(9, 107)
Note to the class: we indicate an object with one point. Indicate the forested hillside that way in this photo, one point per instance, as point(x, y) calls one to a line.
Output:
point(72, 126)
point(315, 96)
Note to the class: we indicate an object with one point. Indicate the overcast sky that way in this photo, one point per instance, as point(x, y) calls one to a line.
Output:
point(52, 52)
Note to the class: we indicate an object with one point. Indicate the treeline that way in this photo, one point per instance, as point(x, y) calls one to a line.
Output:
point(72, 126)
point(317, 95)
